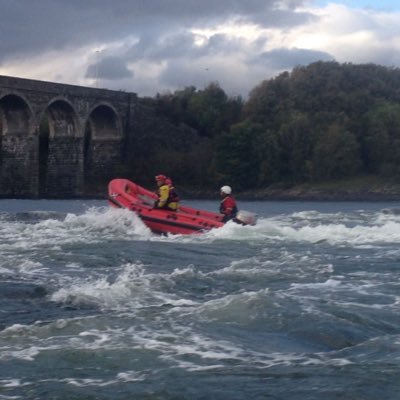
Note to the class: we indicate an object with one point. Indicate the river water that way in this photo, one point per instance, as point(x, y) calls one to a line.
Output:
point(304, 305)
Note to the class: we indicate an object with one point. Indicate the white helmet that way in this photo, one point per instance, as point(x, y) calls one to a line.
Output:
point(226, 189)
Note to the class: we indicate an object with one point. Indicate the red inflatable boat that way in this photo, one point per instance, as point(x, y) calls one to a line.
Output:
point(126, 194)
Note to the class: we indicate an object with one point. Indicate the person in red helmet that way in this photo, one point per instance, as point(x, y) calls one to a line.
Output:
point(167, 197)
point(228, 205)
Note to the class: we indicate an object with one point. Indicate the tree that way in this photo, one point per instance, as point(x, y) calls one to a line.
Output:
point(211, 110)
point(296, 144)
point(381, 142)
point(269, 100)
point(322, 121)
point(336, 154)
point(239, 155)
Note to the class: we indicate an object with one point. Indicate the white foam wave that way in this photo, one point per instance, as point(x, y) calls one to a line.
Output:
point(96, 224)
point(99, 224)
point(339, 233)
point(133, 288)
point(329, 283)
point(108, 221)
point(177, 344)
point(27, 342)
point(239, 307)
point(128, 376)
point(174, 342)
point(7, 383)
point(377, 232)
point(192, 351)
point(26, 354)
point(335, 230)
point(15, 329)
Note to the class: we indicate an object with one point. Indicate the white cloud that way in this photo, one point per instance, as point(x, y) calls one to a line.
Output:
point(149, 47)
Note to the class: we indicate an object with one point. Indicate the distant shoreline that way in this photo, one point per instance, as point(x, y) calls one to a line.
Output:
point(276, 196)
point(367, 188)
point(362, 189)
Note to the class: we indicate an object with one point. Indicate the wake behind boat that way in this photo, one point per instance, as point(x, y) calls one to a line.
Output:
point(126, 194)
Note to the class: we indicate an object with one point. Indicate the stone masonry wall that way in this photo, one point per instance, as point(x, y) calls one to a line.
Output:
point(56, 139)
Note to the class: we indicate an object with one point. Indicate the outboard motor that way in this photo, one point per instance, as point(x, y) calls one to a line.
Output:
point(246, 218)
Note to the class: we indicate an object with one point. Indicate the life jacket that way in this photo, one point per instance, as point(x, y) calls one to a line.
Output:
point(168, 201)
point(173, 195)
point(228, 202)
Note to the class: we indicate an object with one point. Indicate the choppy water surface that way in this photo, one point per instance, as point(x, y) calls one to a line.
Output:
point(305, 305)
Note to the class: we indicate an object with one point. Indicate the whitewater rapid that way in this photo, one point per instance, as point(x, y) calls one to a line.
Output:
point(94, 304)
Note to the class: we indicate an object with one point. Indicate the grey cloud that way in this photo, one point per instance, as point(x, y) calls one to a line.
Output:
point(181, 74)
point(383, 55)
point(156, 49)
point(156, 37)
point(110, 68)
point(235, 81)
point(221, 43)
point(280, 59)
point(28, 26)
point(282, 18)
point(183, 45)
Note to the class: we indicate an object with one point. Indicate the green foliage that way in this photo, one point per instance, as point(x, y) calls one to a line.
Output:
point(269, 100)
point(239, 155)
point(336, 154)
point(381, 142)
point(209, 111)
point(319, 122)
point(330, 121)
point(296, 145)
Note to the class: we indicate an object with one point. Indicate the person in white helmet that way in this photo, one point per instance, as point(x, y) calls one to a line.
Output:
point(228, 205)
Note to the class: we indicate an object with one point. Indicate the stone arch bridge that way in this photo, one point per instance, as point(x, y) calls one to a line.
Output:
point(56, 139)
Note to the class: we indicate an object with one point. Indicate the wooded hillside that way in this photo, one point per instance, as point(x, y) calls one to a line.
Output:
point(322, 122)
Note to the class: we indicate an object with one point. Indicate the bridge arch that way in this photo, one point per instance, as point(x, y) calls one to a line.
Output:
point(60, 150)
point(103, 122)
point(102, 145)
point(16, 115)
point(17, 145)
point(62, 118)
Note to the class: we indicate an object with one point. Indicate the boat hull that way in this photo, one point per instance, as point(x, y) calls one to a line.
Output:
point(126, 194)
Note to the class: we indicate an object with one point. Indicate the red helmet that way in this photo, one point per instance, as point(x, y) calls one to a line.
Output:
point(161, 178)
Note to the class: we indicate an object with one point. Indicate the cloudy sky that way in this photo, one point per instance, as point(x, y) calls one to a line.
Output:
point(155, 46)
